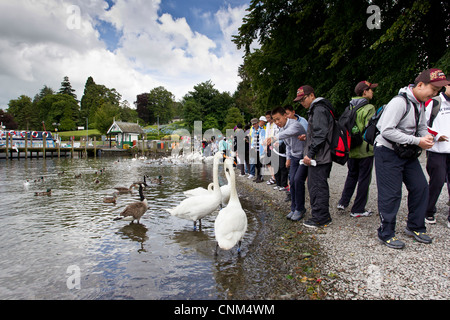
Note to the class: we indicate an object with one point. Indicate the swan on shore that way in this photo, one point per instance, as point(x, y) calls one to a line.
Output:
point(231, 222)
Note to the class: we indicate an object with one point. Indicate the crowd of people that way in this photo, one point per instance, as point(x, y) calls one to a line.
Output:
point(295, 153)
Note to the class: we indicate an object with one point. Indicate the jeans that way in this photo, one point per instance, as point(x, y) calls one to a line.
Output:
point(438, 168)
point(298, 174)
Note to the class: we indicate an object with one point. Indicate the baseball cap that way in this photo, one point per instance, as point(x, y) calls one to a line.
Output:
point(433, 76)
point(303, 91)
point(364, 85)
point(254, 120)
point(262, 118)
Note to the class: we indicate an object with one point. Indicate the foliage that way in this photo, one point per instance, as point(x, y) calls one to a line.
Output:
point(328, 45)
point(233, 117)
point(157, 105)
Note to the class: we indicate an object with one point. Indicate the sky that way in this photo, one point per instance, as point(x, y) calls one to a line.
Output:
point(130, 45)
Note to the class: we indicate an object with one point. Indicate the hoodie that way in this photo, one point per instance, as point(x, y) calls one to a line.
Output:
point(394, 125)
point(289, 134)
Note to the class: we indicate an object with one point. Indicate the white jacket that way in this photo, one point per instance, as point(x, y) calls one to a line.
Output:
point(441, 124)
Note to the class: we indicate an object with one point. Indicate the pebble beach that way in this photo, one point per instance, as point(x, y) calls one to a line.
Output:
point(345, 260)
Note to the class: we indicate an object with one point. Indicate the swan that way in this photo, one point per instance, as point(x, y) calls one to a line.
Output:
point(231, 222)
point(198, 207)
point(224, 190)
point(136, 210)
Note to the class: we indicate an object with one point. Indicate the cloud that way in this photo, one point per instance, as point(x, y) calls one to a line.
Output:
point(43, 41)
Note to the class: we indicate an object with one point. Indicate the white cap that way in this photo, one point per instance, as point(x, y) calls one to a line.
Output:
point(263, 119)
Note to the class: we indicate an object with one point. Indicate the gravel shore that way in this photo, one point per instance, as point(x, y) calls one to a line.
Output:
point(345, 260)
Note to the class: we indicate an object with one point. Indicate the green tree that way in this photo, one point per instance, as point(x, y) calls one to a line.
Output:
point(233, 117)
point(66, 88)
point(104, 116)
point(21, 110)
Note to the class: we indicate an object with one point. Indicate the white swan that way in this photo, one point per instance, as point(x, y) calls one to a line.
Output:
point(231, 222)
point(198, 207)
point(200, 191)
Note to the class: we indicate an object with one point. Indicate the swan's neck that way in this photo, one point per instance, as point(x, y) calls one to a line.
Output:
point(232, 181)
point(216, 176)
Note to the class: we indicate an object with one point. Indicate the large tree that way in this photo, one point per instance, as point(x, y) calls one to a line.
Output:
point(66, 88)
point(330, 45)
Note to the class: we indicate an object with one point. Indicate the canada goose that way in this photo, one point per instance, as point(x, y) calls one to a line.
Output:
point(112, 199)
point(198, 207)
point(47, 193)
point(144, 183)
point(134, 211)
point(122, 190)
point(231, 222)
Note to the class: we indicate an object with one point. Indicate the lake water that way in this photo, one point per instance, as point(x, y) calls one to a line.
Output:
point(67, 246)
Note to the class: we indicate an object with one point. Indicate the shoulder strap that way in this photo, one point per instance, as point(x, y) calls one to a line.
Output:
point(408, 107)
point(436, 107)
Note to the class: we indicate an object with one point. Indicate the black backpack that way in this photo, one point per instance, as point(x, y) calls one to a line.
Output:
point(371, 131)
point(436, 107)
point(347, 121)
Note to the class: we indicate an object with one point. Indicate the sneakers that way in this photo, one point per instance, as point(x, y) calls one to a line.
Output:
point(312, 224)
point(290, 214)
point(250, 176)
point(363, 214)
point(298, 215)
point(393, 243)
point(271, 181)
point(430, 220)
point(341, 207)
point(419, 236)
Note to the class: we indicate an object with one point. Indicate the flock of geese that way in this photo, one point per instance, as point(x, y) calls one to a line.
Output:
point(230, 224)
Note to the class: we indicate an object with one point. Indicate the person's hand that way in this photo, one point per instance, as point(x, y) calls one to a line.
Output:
point(307, 161)
point(443, 138)
point(302, 137)
point(288, 163)
point(426, 142)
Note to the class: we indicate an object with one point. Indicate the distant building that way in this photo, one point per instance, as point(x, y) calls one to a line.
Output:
point(126, 133)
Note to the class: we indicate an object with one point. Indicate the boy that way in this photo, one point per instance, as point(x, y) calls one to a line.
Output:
point(399, 127)
point(289, 132)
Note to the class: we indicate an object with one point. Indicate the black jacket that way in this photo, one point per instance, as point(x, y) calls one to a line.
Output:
point(320, 131)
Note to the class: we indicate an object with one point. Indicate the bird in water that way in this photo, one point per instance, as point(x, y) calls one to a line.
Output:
point(197, 207)
point(112, 199)
point(231, 222)
point(122, 190)
point(136, 210)
point(157, 180)
point(144, 183)
point(46, 193)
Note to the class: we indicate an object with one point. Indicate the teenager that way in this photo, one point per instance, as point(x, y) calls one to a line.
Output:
point(289, 132)
point(438, 160)
point(360, 162)
point(403, 130)
point(317, 148)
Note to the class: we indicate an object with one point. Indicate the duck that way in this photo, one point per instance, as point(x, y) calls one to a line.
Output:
point(112, 199)
point(46, 193)
point(136, 210)
point(157, 180)
point(61, 173)
point(197, 207)
point(26, 184)
point(39, 180)
point(230, 225)
point(122, 190)
point(77, 176)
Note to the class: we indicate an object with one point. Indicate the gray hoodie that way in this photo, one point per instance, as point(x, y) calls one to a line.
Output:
point(394, 125)
point(289, 134)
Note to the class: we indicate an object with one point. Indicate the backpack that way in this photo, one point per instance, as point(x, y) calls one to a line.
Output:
point(371, 131)
point(348, 121)
point(340, 141)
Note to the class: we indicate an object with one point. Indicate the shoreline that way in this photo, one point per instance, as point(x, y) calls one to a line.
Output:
point(345, 260)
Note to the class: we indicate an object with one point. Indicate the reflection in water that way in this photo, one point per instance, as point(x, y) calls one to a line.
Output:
point(160, 258)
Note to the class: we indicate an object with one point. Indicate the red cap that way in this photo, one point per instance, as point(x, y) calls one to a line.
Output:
point(364, 85)
point(303, 91)
point(433, 76)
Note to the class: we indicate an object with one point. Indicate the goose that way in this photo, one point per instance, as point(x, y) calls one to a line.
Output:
point(78, 176)
point(136, 210)
point(47, 193)
point(231, 222)
point(122, 190)
point(112, 199)
point(144, 183)
point(198, 207)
